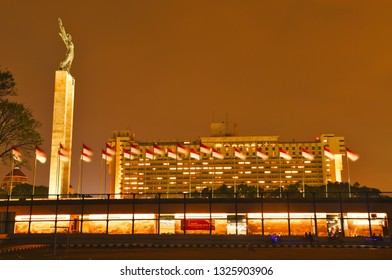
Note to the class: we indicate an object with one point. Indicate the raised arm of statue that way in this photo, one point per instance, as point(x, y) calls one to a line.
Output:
point(62, 33)
point(67, 62)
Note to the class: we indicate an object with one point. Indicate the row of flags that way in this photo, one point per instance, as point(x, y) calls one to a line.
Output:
point(39, 154)
point(63, 154)
point(108, 153)
point(174, 154)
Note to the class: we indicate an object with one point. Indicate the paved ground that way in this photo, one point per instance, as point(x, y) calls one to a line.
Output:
point(208, 253)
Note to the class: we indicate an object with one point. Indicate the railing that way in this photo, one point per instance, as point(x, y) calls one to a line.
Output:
point(208, 195)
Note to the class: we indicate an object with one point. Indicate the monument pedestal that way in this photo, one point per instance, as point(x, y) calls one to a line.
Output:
point(59, 181)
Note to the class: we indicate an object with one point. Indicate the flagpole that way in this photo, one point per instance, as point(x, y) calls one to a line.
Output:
point(124, 165)
point(168, 176)
point(137, 170)
point(79, 175)
point(257, 174)
point(235, 174)
point(280, 177)
point(189, 170)
point(348, 177)
point(106, 163)
point(35, 175)
point(144, 168)
point(213, 179)
point(130, 167)
point(303, 177)
point(326, 188)
point(176, 168)
point(58, 173)
point(100, 177)
point(12, 175)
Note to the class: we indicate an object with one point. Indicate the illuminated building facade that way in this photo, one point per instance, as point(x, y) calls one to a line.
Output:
point(209, 162)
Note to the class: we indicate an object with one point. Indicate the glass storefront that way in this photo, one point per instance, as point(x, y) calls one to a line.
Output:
point(293, 224)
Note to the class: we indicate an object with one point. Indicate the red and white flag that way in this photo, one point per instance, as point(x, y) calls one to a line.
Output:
point(158, 150)
point(149, 154)
point(284, 154)
point(110, 150)
point(260, 154)
point(63, 153)
point(63, 156)
point(352, 155)
point(238, 154)
point(63, 150)
point(328, 153)
point(216, 154)
point(181, 149)
point(40, 155)
point(127, 154)
point(307, 154)
point(106, 156)
point(17, 154)
point(194, 154)
point(135, 149)
point(87, 151)
point(205, 149)
point(85, 157)
point(172, 154)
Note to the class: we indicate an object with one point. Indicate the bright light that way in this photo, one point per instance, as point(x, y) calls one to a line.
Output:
point(195, 216)
point(22, 218)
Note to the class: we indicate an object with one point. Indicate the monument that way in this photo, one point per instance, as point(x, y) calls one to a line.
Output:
point(61, 147)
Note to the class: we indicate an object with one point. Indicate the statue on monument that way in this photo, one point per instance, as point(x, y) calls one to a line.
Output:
point(67, 62)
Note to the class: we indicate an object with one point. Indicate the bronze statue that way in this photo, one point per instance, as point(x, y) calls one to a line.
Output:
point(67, 38)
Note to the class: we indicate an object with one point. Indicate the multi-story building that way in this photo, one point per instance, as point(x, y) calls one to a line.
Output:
point(209, 162)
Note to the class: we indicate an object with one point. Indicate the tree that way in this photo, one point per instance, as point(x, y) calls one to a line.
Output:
point(18, 128)
point(26, 190)
point(7, 84)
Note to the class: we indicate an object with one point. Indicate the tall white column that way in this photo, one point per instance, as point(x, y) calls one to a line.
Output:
point(61, 132)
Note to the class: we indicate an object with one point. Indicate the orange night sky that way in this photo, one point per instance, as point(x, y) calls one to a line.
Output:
point(163, 69)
